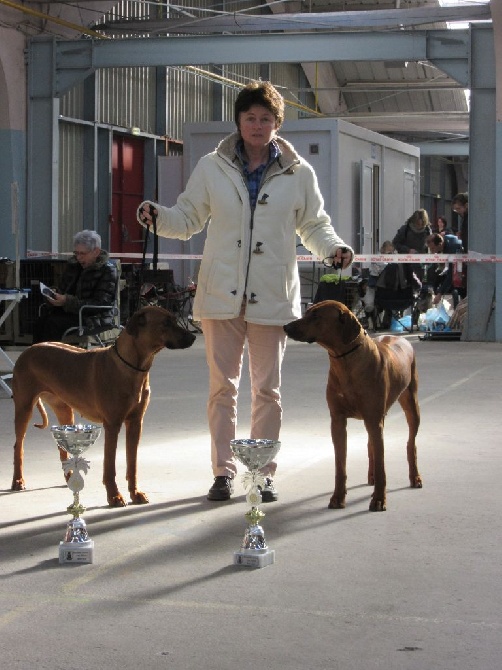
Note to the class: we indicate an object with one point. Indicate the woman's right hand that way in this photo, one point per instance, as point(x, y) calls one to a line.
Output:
point(146, 213)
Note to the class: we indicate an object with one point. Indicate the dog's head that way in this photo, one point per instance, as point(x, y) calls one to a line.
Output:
point(329, 323)
point(158, 328)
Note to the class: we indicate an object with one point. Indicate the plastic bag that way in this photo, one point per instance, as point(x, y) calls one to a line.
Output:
point(401, 324)
point(437, 317)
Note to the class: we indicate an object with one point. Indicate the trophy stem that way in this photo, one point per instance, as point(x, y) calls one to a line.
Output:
point(76, 509)
point(254, 516)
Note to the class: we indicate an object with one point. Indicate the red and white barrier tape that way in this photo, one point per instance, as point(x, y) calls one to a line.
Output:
point(471, 257)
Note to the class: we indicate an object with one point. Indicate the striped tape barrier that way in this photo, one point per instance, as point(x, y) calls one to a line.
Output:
point(471, 257)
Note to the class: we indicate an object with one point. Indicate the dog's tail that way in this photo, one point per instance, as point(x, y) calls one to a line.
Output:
point(43, 414)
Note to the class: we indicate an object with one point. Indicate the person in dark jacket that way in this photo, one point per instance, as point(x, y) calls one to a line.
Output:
point(89, 279)
point(411, 238)
point(442, 226)
point(460, 205)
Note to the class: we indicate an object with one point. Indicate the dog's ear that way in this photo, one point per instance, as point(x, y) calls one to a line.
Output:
point(350, 326)
point(137, 321)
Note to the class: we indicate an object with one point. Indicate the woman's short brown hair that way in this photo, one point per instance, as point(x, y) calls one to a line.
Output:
point(260, 93)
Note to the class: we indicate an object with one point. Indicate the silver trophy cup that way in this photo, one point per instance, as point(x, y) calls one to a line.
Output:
point(254, 454)
point(76, 547)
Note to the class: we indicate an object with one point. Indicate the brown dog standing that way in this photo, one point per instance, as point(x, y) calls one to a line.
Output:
point(366, 376)
point(109, 386)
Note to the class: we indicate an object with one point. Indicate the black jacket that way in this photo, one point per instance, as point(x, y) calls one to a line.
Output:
point(406, 239)
point(95, 285)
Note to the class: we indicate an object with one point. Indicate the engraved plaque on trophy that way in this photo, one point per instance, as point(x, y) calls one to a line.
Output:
point(254, 454)
point(77, 547)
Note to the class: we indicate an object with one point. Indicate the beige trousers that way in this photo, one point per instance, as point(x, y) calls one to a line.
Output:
point(225, 340)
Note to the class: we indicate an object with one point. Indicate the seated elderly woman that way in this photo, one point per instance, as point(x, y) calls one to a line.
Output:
point(89, 279)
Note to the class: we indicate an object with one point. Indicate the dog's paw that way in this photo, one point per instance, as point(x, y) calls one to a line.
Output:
point(117, 501)
point(18, 485)
point(378, 505)
point(336, 503)
point(139, 498)
point(416, 483)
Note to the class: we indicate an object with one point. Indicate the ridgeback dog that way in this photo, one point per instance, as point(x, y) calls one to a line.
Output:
point(366, 376)
point(108, 385)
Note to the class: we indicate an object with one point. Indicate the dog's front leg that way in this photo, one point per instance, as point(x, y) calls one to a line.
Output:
point(339, 438)
point(376, 448)
point(133, 435)
point(113, 495)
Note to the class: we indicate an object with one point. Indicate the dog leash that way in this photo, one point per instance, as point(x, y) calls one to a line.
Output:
point(155, 257)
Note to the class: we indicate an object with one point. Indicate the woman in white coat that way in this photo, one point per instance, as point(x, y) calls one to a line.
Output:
point(255, 194)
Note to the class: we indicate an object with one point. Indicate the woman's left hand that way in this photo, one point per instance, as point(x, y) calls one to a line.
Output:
point(343, 256)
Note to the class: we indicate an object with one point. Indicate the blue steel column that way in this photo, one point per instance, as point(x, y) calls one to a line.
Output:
point(42, 147)
point(104, 138)
point(496, 12)
point(482, 187)
point(90, 151)
point(498, 228)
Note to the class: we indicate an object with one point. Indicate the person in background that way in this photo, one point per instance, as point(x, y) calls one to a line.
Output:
point(258, 194)
point(442, 226)
point(375, 271)
point(442, 279)
point(411, 238)
point(460, 205)
point(89, 279)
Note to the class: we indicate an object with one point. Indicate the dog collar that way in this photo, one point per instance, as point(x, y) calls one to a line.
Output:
point(129, 365)
point(346, 353)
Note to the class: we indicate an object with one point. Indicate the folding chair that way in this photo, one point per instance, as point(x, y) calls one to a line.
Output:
point(98, 337)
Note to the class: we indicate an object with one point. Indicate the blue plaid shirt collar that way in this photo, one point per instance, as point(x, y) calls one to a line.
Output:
point(254, 179)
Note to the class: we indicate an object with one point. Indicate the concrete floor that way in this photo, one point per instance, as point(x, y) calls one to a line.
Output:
point(417, 587)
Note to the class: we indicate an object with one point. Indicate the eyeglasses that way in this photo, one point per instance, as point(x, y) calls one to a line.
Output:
point(78, 254)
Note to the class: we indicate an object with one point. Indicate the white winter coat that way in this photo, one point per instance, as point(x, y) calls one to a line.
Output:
point(289, 203)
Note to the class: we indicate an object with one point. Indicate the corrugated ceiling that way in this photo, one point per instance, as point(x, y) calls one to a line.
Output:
point(412, 101)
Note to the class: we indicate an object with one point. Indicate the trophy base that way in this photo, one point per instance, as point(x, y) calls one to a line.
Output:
point(76, 552)
point(254, 559)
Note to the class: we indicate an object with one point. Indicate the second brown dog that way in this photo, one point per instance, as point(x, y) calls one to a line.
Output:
point(366, 376)
point(109, 386)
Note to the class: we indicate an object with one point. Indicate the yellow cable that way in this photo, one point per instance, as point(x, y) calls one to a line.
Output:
point(93, 33)
point(217, 77)
point(54, 19)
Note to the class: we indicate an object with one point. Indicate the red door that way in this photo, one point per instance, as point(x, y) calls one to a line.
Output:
point(127, 193)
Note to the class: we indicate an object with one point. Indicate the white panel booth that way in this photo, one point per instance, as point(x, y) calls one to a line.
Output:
point(370, 183)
